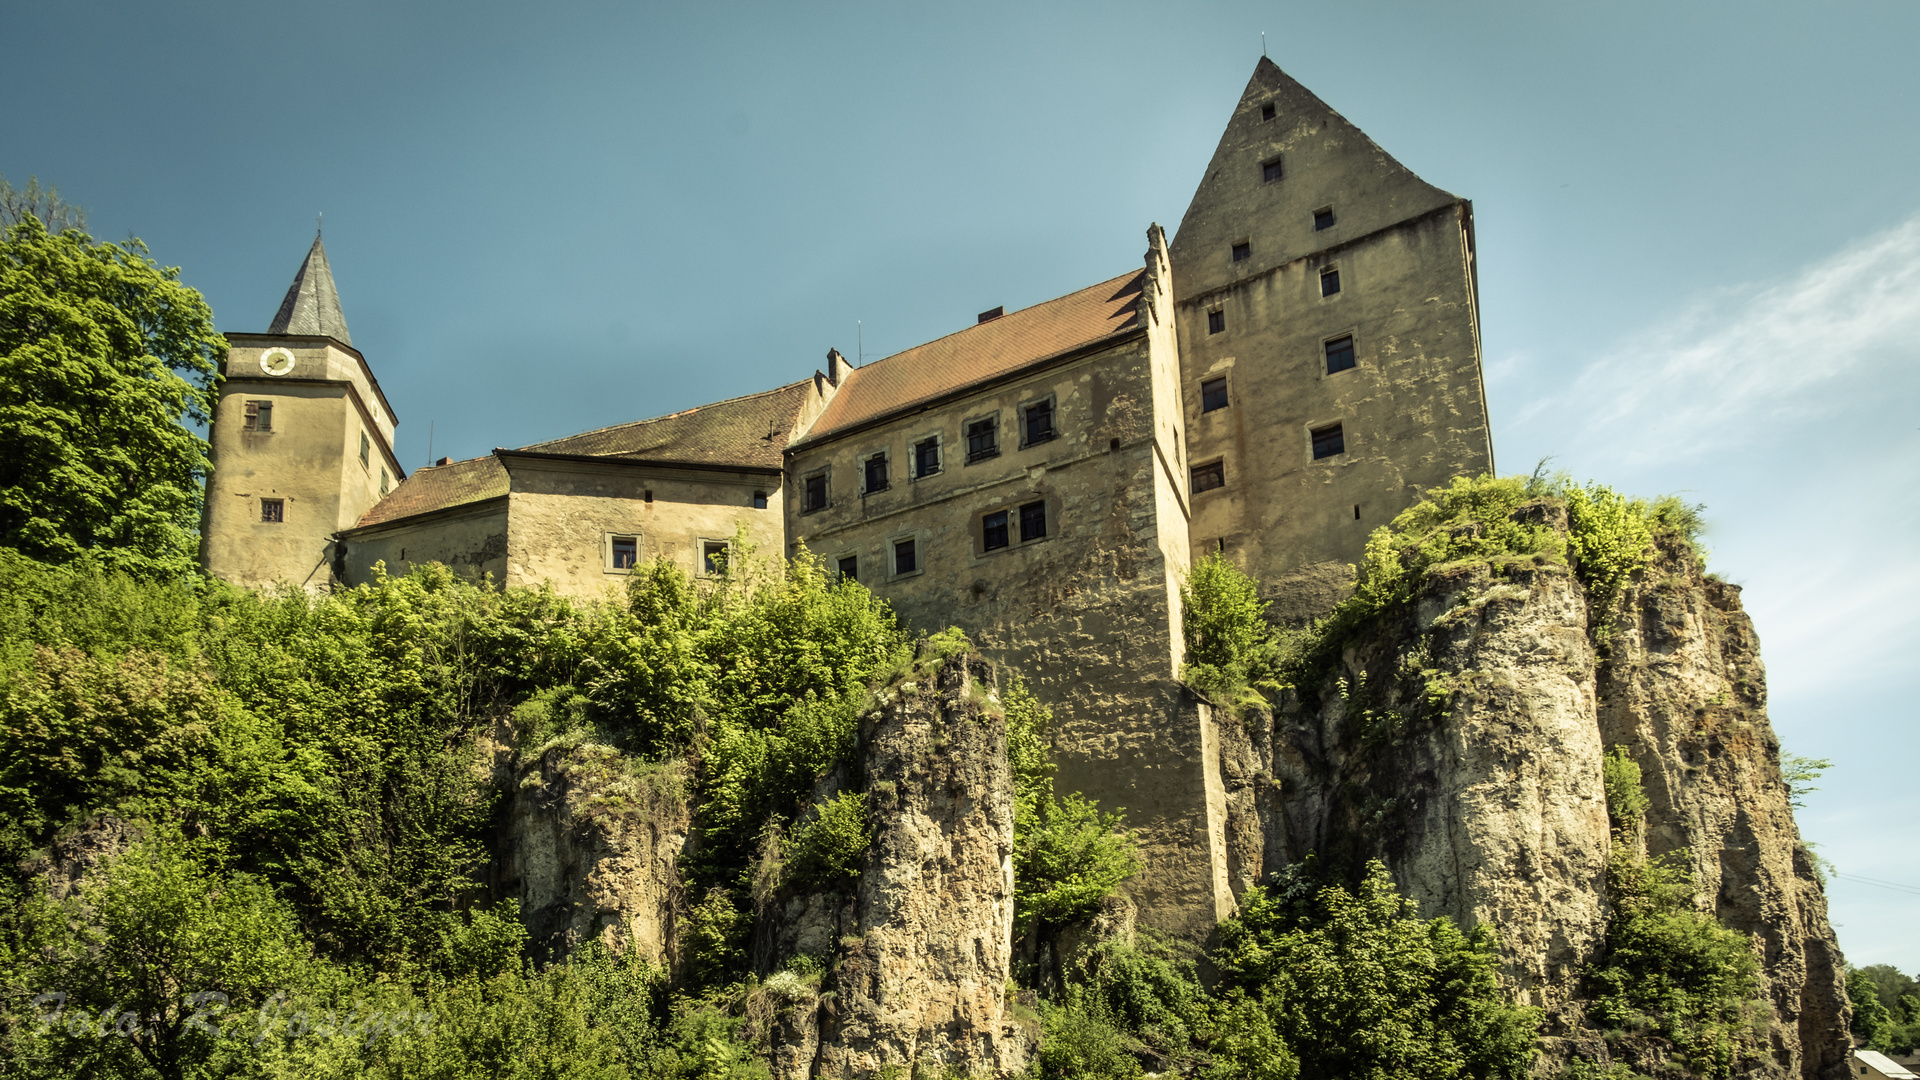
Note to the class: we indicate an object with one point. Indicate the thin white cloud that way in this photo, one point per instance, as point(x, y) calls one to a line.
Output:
point(1747, 359)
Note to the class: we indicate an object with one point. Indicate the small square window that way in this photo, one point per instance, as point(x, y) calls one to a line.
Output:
point(259, 416)
point(1323, 218)
point(993, 531)
point(905, 558)
point(1328, 441)
point(1243, 251)
point(1033, 521)
point(849, 568)
point(877, 473)
point(623, 552)
point(1039, 422)
point(1270, 171)
point(365, 446)
point(713, 556)
point(1216, 321)
point(983, 440)
point(1209, 476)
point(815, 493)
point(1266, 112)
point(273, 510)
point(1340, 354)
point(926, 457)
point(1329, 282)
point(1213, 394)
point(759, 500)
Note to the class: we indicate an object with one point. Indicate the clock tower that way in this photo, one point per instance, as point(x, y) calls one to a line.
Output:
point(302, 442)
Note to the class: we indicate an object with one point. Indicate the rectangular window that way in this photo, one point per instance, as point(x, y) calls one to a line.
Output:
point(623, 552)
point(1033, 521)
point(273, 510)
point(877, 473)
point(384, 483)
point(1209, 476)
point(983, 440)
point(850, 568)
point(1213, 394)
point(1323, 218)
point(259, 416)
point(1039, 422)
point(366, 444)
point(1243, 251)
point(926, 457)
point(1270, 171)
point(1328, 441)
point(759, 500)
point(905, 560)
point(993, 531)
point(1216, 321)
point(1340, 354)
point(816, 493)
point(1329, 282)
point(1266, 112)
point(713, 556)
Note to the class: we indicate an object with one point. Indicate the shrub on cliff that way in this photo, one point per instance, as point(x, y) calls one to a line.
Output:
point(1232, 655)
point(1352, 983)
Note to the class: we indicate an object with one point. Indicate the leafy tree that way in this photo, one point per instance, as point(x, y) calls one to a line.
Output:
point(103, 354)
point(1353, 984)
point(1800, 772)
point(1231, 651)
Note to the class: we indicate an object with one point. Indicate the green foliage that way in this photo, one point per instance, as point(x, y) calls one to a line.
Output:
point(1353, 984)
point(103, 354)
point(1231, 650)
point(1470, 520)
point(1800, 773)
point(1627, 800)
point(1080, 1040)
point(1669, 968)
point(832, 847)
point(1150, 992)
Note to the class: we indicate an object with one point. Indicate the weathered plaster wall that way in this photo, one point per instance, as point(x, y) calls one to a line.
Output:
point(310, 459)
point(560, 514)
point(472, 541)
point(1089, 615)
point(1412, 409)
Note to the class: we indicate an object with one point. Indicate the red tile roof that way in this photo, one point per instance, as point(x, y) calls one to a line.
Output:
point(750, 432)
point(979, 353)
point(746, 431)
point(440, 487)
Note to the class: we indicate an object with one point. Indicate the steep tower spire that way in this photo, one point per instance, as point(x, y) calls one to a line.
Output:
point(312, 305)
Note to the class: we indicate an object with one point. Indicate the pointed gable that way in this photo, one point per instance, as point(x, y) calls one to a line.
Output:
point(1270, 173)
point(312, 304)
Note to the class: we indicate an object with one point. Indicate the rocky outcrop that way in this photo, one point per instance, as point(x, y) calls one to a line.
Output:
point(1684, 690)
point(921, 944)
point(591, 849)
point(1462, 745)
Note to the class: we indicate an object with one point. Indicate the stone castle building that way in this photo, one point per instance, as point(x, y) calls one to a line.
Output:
point(1293, 368)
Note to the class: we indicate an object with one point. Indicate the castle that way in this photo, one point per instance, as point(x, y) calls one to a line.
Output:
point(1291, 370)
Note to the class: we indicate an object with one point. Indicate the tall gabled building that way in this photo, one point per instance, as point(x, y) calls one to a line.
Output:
point(1292, 370)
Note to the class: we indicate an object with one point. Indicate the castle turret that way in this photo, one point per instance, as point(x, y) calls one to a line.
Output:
point(302, 441)
point(1327, 307)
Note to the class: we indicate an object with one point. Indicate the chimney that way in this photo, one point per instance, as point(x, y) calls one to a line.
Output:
point(989, 316)
point(444, 461)
point(837, 366)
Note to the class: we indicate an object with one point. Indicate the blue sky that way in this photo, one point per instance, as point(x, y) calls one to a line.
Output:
point(1699, 236)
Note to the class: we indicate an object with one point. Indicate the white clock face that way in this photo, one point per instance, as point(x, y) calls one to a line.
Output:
point(276, 361)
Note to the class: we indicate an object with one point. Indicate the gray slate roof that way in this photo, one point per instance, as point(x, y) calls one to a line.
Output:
point(312, 305)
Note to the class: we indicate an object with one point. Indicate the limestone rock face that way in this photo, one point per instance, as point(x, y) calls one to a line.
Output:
point(591, 850)
point(1463, 747)
point(921, 967)
point(1686, 693)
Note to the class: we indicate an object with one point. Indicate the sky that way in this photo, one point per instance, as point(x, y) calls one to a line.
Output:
point(1698, 228)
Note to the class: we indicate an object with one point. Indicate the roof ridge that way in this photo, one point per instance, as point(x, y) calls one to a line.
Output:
point(1008, 315)
point(669, 416)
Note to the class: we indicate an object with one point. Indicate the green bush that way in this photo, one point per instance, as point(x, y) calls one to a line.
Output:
point(832, 847)
point(1231, 654)
point(1354, 984)
point(1079, 1040)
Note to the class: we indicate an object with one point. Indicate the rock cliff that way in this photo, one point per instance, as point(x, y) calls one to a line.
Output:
point(1461, 742)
